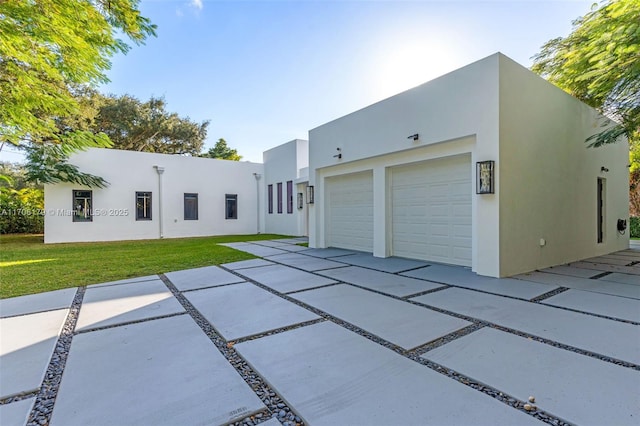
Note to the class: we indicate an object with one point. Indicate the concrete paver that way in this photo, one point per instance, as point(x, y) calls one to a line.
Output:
point(386, 264)
point(604, 267)
point(571, 271)
point(284, 279)
point(333, 376)
point(260, 250)
point(270, 243)
point(32, 303)
point(602, 304)
point(402, 323)
point(306, 263)
point(26, 346)
point(610, 260)
point(191, 279)
point(16, 413)
point(244, 264)
point(596, 286)
point(611, 338)
point(128, 281)
point(294, 248)
point(574, 387)
point(242, 310)
point(235, 245)
point(622, 278)
point(294, 240)
point(160, 372)
point(329, 252)
point(392, 284)
point(463, 277)
point(105, 306)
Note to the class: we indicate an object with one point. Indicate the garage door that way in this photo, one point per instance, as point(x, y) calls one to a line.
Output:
point(431, 210)
point(349, 216)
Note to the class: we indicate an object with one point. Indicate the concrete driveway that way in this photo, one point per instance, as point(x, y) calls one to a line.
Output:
point(329, 337)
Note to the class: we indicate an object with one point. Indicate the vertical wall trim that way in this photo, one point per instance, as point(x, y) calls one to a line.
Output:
point(160, 171)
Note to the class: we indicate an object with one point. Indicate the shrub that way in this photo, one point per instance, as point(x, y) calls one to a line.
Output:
point(634, 227)
point(21, 211)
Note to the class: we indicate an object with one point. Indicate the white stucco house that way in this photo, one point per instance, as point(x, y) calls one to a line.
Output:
point(286, 177)
point(485, 167)
point(155, 196)
point(400, 177)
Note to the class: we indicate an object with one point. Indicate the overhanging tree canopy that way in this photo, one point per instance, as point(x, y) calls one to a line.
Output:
point(48, 45)
point(599, 63)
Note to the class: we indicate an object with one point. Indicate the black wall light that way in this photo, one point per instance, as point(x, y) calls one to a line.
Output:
point(310, 194)
point(415, 137)
point(485, 177)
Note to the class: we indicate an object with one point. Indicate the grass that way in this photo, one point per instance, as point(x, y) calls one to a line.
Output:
point(29, 266)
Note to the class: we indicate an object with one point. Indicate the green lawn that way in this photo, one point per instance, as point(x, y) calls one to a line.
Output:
point(29, 266)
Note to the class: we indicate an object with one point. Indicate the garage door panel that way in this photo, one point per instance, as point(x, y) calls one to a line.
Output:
point(350, 211)
point(431, 210)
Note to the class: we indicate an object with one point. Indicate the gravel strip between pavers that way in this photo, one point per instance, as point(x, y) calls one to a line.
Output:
point(43, 407)
point(415, 356)
point(276, 406)
point(549, 294)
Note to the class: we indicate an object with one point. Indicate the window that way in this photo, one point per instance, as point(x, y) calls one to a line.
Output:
point(231, 206)
point(190, 206)
point(143, 206)
point(290, 196)
point(600, 209)
point(270, 198)
point(279, 197)
point(82, 206)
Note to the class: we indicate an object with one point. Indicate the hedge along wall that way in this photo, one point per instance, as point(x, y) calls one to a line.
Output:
point(634, 227)
point(21, 211)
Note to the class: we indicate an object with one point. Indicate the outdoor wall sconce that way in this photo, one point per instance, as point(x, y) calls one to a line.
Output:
point(339, 154)
point(485, 177)
point(415, 137)
point(310, 194)
point(604, 169)
point(300, 200)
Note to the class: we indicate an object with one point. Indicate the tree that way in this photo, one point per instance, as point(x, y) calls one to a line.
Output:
point(49, 45)
point(599, 63)
point(222, 151)
point(48, 48)
point(146, 126)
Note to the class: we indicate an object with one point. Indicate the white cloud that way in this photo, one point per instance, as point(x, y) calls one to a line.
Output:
point(197, 4)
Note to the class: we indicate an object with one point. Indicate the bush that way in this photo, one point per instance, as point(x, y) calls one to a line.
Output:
point(21, 211)
point(634, 227)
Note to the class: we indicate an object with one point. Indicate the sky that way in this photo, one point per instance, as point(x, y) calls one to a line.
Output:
point(266, 72)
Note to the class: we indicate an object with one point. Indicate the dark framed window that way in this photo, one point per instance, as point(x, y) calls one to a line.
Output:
point(270, 198)
point(82, 205)
point(279, 197)
point(600, 209)
point(231, 206)
point(289, 196)
point(190, 206)
point(143, 205)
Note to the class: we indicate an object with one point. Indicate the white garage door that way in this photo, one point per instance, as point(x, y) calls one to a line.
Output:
point(349, 215)
point(431, 205)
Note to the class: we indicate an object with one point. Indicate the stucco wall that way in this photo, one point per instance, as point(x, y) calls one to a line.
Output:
point(128, 172)
point(455, 113)
point(548, 176)
point(282, 164)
